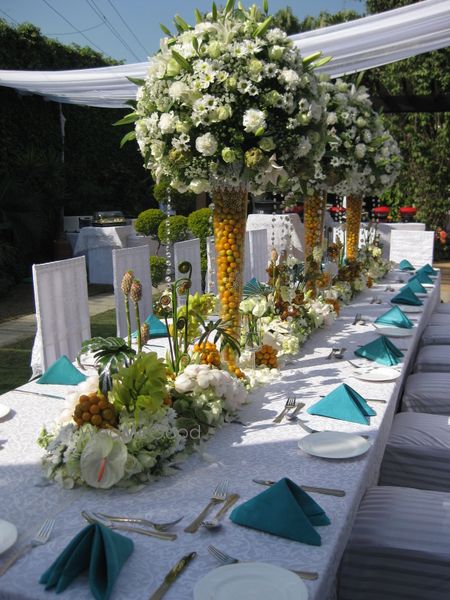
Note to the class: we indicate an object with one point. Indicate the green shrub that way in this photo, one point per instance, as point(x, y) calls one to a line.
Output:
point(158, 268)
point(173, 229)
point(183, 204)
point(199, 223)
point(148, 221)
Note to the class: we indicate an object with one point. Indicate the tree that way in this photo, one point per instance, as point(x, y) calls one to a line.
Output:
point(288, 22)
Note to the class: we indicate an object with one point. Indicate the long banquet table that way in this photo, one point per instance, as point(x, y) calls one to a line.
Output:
point(237, 452)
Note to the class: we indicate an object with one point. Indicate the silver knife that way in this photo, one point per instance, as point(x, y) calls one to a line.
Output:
point(172, 575)
point(30, 393)
point(306, 488)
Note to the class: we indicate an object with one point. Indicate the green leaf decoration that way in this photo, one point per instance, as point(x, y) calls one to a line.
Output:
point(311, 58)
point(181, 23)
point(229, 6)
point(136, 81)
point(359, 78)
point(263, 27)
point(198, 16)
point(265, 6)
point(214, 11)
point(322, 61)
point(195, 44)
point(165, 30)
point(131, 135)
point(110, 354)
point(131, 118)
point(181, 60)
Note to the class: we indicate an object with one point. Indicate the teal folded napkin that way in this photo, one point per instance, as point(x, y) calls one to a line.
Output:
point(423, 277)
point(415, 286)
point(428, 269)
point(406, 296)
point(156, 326)
point(285, 510)
point(395, 316)
point(345, 404)
point(382, 351)
point(62, 372)
point(97, 550)
point(405, 265)
point(254, 288)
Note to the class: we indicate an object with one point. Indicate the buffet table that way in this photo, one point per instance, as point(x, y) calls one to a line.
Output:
point(238, 452)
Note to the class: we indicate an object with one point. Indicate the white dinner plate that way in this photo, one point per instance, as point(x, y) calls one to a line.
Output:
point(392, 331)
point(376, 374)
point(428, 285)
point(8, 535)
point(334, 444)
point(406, 308)
point(4, 410)
point(250, 581)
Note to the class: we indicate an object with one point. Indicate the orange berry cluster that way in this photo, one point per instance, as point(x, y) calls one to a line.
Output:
point(266, 355)
point(95, 409)
point(209, 355)
point(313, 221)
point(369, 281)
point(354, 210)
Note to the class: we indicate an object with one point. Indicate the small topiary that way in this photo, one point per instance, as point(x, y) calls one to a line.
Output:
point(148, 221)
point(183, 204)
point(200, 225)
point(173, 229)
point(158, 267)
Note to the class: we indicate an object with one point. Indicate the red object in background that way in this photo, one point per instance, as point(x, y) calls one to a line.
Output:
point(336, 212)
point(381, 213)
point(298, 208)
point(407, 213)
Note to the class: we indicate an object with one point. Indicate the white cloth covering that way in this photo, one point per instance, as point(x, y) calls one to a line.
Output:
point(440, 319)
point(189, 250)
point(427, 393)
point(416, 246)
point(284, 232)
point(355, 46)
point(436, 334)
point(443, 307)
point(433, 359)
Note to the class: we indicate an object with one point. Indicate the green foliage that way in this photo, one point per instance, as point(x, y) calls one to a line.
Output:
point(182, 204)
point(11, 267)
point(109, 355)
point(199, 223)
point(173, 229)
point(158, 267)
point(140, 386)
point(148, 221)
point(288, 22)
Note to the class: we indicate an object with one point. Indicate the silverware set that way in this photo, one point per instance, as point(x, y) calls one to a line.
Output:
point(358, 320)
point(125, 524)
point(42, 537)
point(219, 495)
point(306, 488)
point(290, 404)
point(337, 353)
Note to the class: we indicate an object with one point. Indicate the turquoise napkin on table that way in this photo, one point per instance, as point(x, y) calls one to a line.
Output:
point(406, 296)
point(345, 404)
point(97, 550)
point(428, 269)
point(415, 286)
point(422, 277)
point(396, 317)
point(382, 351)
point(156, 326)
point(62, 372)
point(405, 265)
point(285, 510)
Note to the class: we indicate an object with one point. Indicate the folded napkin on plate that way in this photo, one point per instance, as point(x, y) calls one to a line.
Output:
point(156, 327)
point(422, 277)
point(285, 510)
point(406, 296)
point(396, 317)
point(428, 269)
point(62, 372)
point(345, 404)
point(95, 549)
point(405, 265)
point(415, 286)
point(382, 351)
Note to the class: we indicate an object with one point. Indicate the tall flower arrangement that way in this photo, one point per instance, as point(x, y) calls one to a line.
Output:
point(230, 106)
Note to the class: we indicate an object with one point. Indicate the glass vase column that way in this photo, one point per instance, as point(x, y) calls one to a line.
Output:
point(354, 210)
point(229, 220)
point(313, 216)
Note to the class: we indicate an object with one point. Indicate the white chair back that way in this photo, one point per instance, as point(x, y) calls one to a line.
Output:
point(211, 272)
point(416, 246)
point(62, 311)
point(190, 251)
point(257, 249)
point(385, 229)
point(135, 259)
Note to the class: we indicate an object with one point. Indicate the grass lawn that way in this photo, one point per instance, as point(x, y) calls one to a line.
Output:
point(15, 359)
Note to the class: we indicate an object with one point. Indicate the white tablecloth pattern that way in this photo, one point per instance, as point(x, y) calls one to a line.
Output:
point(236, 452)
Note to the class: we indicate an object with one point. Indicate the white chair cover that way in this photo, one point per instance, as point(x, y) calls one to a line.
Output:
point(417, 453)
point(385, 230)
point(427, 393)
point(433, 359)
point(257, 250)
point(62, 311)
point(443, 307)
point(416, 246)
point(211, 272)
point(190, 251)
point(440, 318)
point(436, 334)
point(137, 260)
point(398, 548)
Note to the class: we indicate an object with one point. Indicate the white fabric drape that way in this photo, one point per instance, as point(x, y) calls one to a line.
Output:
point(355, 46)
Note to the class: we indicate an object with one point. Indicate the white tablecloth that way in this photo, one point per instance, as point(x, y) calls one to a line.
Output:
point(238, 453)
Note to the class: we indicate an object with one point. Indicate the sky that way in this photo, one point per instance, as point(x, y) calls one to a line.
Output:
point(129, 30)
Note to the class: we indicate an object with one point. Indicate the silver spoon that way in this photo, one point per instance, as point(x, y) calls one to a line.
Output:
point(215, 522)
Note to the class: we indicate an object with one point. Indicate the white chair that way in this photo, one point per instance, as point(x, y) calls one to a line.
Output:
point(436, 334)
point(427, 393)
point(257, 250)
point(416, 246)
point(137, 260)
point(443, 307)
point(385, 230)
point(433, 359)
point(211, 271)
point(62, 311)
point(190, 251)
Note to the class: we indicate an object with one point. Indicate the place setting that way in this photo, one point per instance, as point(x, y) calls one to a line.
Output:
point(394, 323)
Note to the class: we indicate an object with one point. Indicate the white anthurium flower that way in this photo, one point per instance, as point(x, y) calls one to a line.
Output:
point(102, 462)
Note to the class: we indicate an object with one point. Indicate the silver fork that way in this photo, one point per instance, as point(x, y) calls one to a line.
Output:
point(290, 403)
point(157, 526)
point(219, 494)
point(40, 538)
point(226, 559)
point(161, 535)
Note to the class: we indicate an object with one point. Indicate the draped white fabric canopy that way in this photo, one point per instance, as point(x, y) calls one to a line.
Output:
point(355, 46)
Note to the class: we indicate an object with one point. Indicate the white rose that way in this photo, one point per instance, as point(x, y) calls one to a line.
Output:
point(253, 120)
point(206, 144)
point(167, 122)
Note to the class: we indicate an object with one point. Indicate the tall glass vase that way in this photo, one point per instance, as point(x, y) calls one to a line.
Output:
point(313, 216)
point(354, 211)
point(229, 220)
